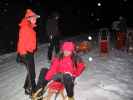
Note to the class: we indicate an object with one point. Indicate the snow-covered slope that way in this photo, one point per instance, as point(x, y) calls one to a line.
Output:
point(105, 78)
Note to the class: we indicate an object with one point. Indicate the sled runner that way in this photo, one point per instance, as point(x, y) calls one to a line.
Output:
point(52, 88)
point(104, 42)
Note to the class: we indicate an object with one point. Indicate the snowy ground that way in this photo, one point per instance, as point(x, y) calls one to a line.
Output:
point(105, 78)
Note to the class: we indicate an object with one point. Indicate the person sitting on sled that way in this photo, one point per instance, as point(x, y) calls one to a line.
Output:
point(64, 68)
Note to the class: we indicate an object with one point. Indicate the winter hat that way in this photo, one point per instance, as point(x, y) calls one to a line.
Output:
point(68, 46)
point(30, 13)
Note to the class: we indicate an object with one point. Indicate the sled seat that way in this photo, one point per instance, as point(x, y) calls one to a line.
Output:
point(52, 88)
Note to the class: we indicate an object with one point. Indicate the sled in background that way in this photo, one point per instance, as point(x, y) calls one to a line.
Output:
point(129, 42)
point(104, 42)
point(84, 46)
point(120, 40)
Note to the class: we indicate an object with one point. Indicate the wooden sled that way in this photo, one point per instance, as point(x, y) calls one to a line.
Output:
point(103, 48)
point(84, 46)
point(104, 42)
point(52, 88)
point(120, 40)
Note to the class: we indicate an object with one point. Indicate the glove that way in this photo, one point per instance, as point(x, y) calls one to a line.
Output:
point(58, 77)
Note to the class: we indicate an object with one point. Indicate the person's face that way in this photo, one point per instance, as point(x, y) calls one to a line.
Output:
point(33, 20)
point(67, 53)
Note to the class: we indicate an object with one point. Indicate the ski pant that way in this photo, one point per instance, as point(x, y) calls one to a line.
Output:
point(28, 61)
point(54, 44)
point(65, 79)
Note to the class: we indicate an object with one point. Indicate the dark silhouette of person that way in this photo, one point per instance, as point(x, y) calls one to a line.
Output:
point(52, 29)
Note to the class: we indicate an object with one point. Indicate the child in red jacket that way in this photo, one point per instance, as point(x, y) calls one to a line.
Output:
point(64, 68)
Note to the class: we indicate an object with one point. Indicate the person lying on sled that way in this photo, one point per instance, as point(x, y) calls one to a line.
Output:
point(64, 68)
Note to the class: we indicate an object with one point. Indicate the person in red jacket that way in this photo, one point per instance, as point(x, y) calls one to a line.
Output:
point(64, 68)
point(26, 47)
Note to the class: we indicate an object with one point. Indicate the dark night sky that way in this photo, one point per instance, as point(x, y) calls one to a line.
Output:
point(77, 15)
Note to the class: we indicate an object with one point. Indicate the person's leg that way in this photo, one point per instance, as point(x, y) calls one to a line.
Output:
point(26, 81)
point(57, 44)
point(41, 84)
point(27, 85)
point(32, 73)
point(30, 65)
point(69, 86)
point(41, 81)
point(50, 49)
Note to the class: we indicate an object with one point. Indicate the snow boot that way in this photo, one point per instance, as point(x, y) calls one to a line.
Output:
point(70, 98)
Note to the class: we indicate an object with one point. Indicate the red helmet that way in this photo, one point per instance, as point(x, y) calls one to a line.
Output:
point(68, 46)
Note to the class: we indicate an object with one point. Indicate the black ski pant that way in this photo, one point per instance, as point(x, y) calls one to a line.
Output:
point(28, 61)
point(54, 44)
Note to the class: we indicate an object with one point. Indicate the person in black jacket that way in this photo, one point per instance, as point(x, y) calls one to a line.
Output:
point(53, 33)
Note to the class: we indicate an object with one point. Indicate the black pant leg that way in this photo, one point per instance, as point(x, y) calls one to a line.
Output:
point(68, 82)
point(27, 84)
point(50, 49)
point(41, 81)
point(30, 66)
point(57, 44)
point(69, 85)
point(32, 72)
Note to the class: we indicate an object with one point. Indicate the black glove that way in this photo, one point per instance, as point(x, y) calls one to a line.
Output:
point(20, 58)
point(68, 77)
point(58, 77)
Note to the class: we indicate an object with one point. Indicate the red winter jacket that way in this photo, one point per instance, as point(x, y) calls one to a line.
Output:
point(64, 66)
point(27, 38)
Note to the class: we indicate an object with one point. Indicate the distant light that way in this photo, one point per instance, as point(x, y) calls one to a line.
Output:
point(90, 59)
point(89, 38)
point(99, 4)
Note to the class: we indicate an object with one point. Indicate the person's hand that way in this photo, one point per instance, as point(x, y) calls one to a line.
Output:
point(19, 58)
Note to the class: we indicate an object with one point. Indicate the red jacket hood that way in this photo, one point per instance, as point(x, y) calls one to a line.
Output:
point(25, 23)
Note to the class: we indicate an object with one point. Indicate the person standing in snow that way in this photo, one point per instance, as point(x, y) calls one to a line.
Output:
point(64, 68)
point(26, 48)
point(122, 26)
point(52, 29)
point(120, 30)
